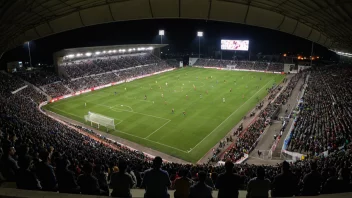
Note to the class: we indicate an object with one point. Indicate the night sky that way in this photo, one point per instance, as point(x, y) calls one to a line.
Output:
point(180, 34)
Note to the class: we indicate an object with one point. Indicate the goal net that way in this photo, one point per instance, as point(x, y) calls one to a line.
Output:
point(98, 119)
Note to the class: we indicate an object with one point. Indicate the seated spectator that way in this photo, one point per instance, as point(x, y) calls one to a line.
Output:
point(182, 184)
point(284, 184)
point(156, 181)
point(45, 173)
point(25, 178)
point(66, 179)
point(312, 181)
point(258, 187)
point(121, 182)
point(200, 189)
point(9, 164)
point(88, 184)
point(228, 183)
point(102, 178)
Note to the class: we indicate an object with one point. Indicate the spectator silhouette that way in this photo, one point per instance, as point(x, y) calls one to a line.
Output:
point(66, 179)
point(10, 165)
point(312, 182)
point(200, 189)
point(88, 183)
point(102, 179)
point(182, 184)
point(121, 182)
point(25, 178)
point(284, 184)
point(45, 173)
point(156, 181)
point(228, 183)
point(258, 187)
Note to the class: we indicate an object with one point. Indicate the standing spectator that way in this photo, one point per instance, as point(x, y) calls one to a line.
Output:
point(102, 179)
point(88, 183)
point(66, 179)
point(258, 187)
point(200, 189)
point(228, 183)
point(25, 178)
point(284, 184)
point(182, 185)
point(9, 164)
point(312, 182)
point(156, 181)
point(121, 182)
point(45, 173)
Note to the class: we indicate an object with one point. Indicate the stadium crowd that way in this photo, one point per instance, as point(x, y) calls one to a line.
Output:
point(249, 65)
point(325, 121)
point(40, 153)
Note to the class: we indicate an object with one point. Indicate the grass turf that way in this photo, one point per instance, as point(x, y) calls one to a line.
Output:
point(150, 122)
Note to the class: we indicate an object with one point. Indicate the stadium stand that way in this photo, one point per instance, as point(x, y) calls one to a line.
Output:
point(249, 65)
point(64, 154)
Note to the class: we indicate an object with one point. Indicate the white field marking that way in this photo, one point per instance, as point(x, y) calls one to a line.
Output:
point(157, 129)
point(228, 117)
point(121, 105)
point(118, 122)
point(64, 101)
point(113, 109)
point(151, 141)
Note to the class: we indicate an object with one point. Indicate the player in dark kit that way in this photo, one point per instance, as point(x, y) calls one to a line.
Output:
point(184, 113)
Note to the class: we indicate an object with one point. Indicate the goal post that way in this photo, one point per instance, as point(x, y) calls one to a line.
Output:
point(107, 122)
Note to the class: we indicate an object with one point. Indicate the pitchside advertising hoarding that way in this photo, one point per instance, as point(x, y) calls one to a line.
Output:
point(236, 45)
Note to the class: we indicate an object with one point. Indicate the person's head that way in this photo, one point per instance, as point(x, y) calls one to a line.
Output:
point(229, 166)
point(88, 168)
point(11, 151)
point(285, 166)
point(157, 162)
point(122, 165)
point(260, 172)
point(182, 172)
point(202, 176)
point(313, 166)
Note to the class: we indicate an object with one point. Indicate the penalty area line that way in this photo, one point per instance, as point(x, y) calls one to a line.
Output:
point(157, 129)
point(228, 117)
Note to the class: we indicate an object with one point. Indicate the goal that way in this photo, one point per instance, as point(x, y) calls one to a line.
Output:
point(98, 119)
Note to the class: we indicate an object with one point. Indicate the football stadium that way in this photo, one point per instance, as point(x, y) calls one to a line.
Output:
point(163, 98)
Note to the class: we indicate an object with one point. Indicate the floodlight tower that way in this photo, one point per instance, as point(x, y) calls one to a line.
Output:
point(29, 53)
point(161, 34)
point(199, 34)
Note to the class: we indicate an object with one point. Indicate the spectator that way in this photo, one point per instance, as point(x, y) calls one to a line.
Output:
point(182, 184)
point(228, 183)
point(102, 179)
point(25, 178)
point(156, 181)
point(9, 164)
point(284, 184)
point(312, 182)
point(258, 187)
point(45, 173)
point(121, 182)
point(88, 184)
point(66, 179)
point(200, 189)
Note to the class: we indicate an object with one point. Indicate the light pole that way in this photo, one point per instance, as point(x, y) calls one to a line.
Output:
point(29, 52)
point(199, 34)
point(161, 34)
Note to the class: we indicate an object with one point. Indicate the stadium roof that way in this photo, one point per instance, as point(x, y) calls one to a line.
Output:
point(133, 47)
point(327, 22)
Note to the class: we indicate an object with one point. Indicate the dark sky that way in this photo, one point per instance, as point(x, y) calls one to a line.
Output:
point(180, 34)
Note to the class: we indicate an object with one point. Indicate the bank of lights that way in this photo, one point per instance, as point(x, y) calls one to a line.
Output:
point(109, 52)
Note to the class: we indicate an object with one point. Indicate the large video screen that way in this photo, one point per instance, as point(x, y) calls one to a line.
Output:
point(240, 45)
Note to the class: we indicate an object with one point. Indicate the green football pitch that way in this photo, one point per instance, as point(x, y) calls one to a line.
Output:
point(150, 122)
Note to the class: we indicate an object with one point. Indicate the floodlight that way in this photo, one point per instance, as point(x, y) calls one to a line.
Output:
point(109, 51)
point(104, 52)
point(70, 55)
point(161, 32)
point(97, 53)
point(134, 49)
point(200, 34)
point(142, 48)
point(78, 55)
point(88, 54)
point(129, 49)
point(114, 51)
point(150, 48)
